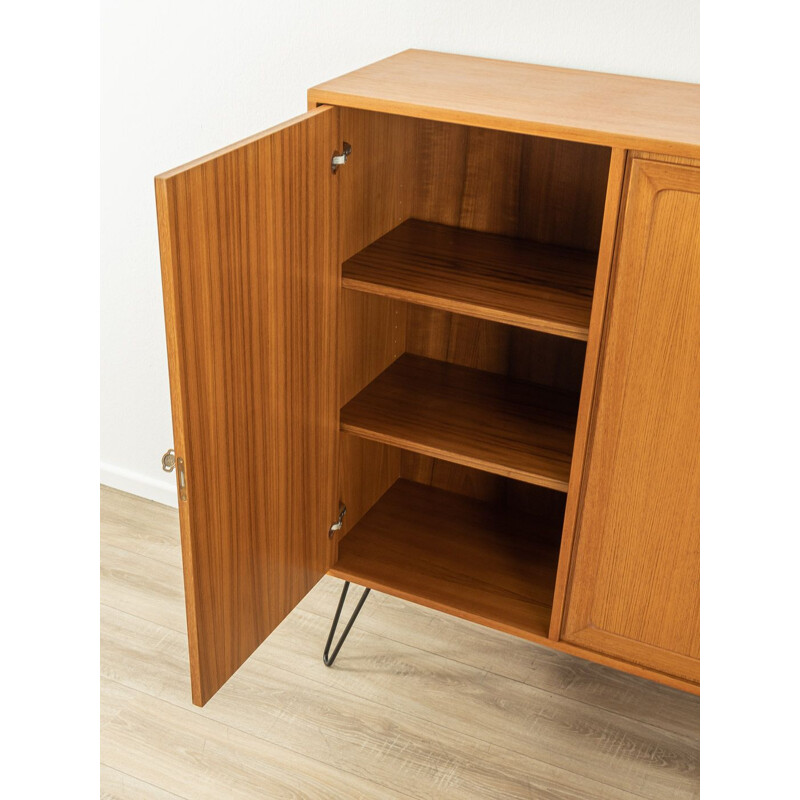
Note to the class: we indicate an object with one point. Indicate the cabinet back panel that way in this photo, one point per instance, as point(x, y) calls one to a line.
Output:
point(505, 350)
point(370, 468)
point(548, 190)
point(503, 492)
point(453, 477)
point(496, 182)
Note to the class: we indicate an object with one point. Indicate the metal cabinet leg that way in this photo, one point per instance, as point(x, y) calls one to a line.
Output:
point(327, 657)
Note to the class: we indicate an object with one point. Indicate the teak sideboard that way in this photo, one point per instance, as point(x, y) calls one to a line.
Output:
point(459, 299)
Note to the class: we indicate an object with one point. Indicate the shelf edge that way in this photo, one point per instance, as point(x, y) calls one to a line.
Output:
point(580, 333)
point(536, 479)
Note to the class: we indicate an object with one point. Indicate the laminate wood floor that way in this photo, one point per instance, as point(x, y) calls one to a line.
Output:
point(418, 704)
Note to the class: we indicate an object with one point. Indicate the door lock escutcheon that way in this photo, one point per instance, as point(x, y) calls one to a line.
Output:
point(168, 461)
point(168, 464)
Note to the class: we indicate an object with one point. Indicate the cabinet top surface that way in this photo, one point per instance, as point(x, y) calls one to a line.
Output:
point(600, 108)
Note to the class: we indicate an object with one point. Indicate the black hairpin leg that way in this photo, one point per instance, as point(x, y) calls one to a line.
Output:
point(327, 657)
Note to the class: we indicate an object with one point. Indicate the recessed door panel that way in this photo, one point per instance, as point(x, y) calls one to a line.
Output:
point(634, 584)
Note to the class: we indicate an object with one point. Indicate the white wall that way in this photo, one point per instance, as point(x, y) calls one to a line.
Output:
point(181, 78)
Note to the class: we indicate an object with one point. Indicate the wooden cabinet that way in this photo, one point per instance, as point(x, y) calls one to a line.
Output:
point(478, 333)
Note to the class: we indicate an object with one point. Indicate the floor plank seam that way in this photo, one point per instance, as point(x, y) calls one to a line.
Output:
point(138, 554)
point(159, 623)
point(142, 780)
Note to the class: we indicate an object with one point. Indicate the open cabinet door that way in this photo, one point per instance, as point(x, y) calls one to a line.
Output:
point(249, 245)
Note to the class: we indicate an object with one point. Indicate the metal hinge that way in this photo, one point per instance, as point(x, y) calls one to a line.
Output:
point(337, 526)
point(338, 159)
point(168, 464)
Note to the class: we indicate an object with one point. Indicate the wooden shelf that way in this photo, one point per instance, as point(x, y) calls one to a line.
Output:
point(500, 278)
point(458, 555)
point(470, 417)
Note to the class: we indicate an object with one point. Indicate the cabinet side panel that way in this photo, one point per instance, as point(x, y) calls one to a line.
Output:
point(376, 186)
point(377, 183)
point(634, 587)
point(372, 333)
point(366, 470)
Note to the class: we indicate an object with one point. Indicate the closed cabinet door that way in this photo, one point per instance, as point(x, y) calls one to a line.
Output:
point(634, 588)
point(249, 249)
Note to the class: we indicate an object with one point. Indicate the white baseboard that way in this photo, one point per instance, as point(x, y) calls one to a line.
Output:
point(123, 479)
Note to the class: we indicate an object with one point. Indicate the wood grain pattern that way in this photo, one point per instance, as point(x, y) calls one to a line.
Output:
point(634, 586)
point(614, 110)
point(470, 417)
point(455, 554)
point(508, 280)
point(249, 263)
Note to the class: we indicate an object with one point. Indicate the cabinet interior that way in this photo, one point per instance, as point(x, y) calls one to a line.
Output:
point(468, 260)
